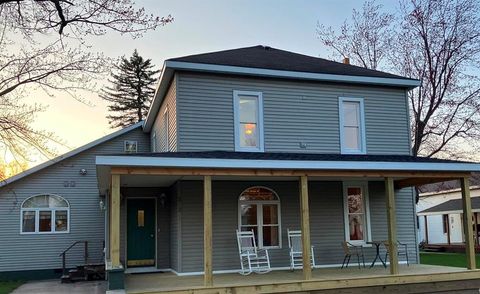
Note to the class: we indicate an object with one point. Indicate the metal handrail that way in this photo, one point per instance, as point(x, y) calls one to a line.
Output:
point(64, 253)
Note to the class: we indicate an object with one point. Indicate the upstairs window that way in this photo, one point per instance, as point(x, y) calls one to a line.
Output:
point(130, 146)
point(352, 126)
point(259, 210)
point(248, 113)
point(165, 130)
point(45, 214)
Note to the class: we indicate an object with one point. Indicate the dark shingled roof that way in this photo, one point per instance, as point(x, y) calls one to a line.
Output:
point(292, 156)
point(452, 205)
point(270, 58)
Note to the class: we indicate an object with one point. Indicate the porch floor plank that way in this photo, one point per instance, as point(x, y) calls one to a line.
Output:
point(325, 278)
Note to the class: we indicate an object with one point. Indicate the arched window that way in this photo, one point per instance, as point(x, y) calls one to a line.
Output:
point(45, 213)
point(259, 210)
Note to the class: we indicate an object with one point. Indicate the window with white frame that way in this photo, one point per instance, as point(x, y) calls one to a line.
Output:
point(259, 210)
point(45, 214)
point(130, 146)
point(248, 117)
point(352, 125)
point(165, 130)
point(357, 216)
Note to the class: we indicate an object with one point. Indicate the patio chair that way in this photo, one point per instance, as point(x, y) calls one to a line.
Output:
point(349, 250)
point(252, 259)
point(296, 253)
point(402, 249)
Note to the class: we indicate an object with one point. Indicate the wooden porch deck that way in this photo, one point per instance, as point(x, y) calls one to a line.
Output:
point(411, 279)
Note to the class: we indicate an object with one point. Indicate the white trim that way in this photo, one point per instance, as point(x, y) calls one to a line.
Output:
point(260, 225)
point(53, 215)
point(408, 83)
point(69, 154)
point(148, 161)
point(366, 203)
point(361, 125)
point(236, 115)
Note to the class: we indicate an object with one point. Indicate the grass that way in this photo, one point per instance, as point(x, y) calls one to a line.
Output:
point(446, 259)
point(8, 286)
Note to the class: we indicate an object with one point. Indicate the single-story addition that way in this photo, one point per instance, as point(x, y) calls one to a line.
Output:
point(440, 218)
point(257, 170)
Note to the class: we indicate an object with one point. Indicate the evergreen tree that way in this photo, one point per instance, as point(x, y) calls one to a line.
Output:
point(132, 90)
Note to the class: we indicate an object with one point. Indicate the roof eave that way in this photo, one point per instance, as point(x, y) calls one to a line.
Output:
point(226, 69)
point(68, 154)
point(170, 66)
point(147, 161)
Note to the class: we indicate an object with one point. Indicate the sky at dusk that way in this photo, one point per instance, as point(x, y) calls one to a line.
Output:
point(199, 26)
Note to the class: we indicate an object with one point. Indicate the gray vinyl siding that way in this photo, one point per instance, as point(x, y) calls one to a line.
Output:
point(35, 251)
point(294, 112)
point(326, 214)
point(170, 103)
point(162, 225)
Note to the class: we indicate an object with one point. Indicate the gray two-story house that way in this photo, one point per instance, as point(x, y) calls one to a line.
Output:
point(255, 140)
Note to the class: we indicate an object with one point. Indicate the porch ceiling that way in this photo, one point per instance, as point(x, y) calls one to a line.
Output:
point(163, 169)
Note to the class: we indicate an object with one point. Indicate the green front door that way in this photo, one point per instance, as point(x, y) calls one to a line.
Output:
point(140, 232)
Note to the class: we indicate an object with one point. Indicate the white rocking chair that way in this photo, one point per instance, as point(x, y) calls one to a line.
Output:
point(296, 255)
point(252, 259)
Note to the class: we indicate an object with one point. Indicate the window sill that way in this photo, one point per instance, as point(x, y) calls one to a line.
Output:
point(44, 233)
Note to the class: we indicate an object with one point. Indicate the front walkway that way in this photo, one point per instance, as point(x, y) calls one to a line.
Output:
point(284, 281)
point(55, 287)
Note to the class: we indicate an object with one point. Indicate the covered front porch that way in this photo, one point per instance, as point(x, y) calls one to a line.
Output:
point(410, 279)
point(307, 176)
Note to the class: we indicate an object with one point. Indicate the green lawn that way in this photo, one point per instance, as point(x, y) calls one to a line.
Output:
point(446, 259)
point(7, 287)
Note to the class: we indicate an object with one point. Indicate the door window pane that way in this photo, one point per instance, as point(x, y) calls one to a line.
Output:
point(28, 222)
point(270, 236)
point(45, 221)
point(270, 214)
point(355, 200)
point(249, 214)
point(141, 218)
point(356, 213)
point(61, 220)
point(356, 227)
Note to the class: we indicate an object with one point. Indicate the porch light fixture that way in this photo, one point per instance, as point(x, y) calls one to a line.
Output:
point(163, 200)
point(101, 203)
